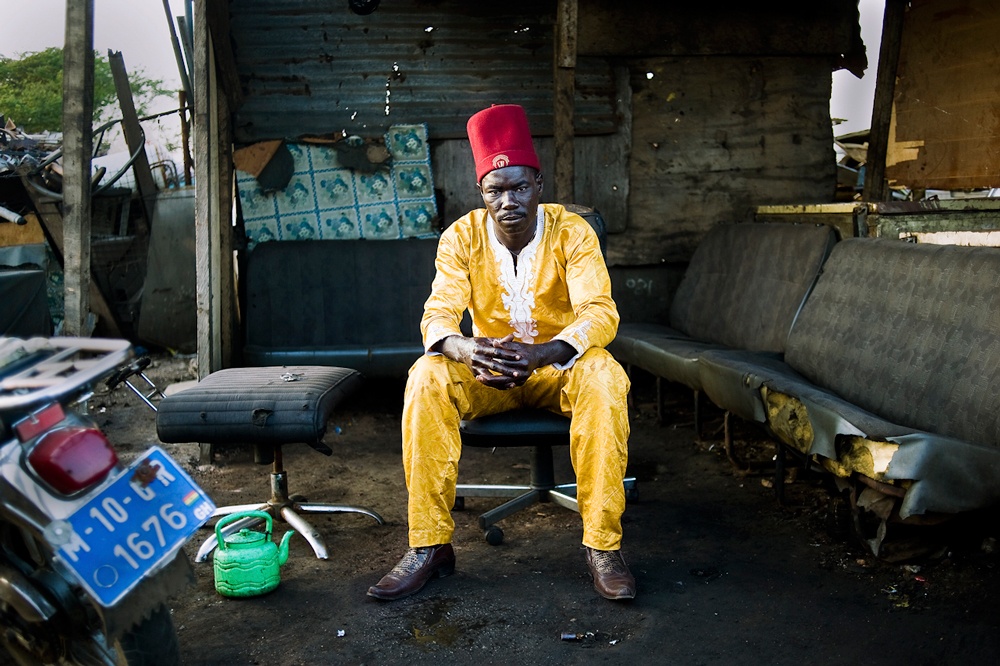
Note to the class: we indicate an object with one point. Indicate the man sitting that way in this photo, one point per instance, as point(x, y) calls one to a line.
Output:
point(534, 280)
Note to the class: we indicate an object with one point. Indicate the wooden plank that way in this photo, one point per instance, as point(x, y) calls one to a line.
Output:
point(225, 63)
point(945, 131)
point(602, 164)
point(204, 121)
point(78, 104)
point(22, 234)
point(564, 82)
point(135, 139)
point(213, 206)
point(175, 43)
point(875, 187)
point(225, 274)
point(715, 137)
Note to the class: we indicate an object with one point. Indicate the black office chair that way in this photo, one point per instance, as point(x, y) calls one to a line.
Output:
point(538, 428)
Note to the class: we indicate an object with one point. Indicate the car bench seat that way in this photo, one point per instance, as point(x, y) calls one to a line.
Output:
point(742, 290)
point(266, 408)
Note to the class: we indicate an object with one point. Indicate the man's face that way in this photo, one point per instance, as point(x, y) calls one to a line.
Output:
point(511, 195)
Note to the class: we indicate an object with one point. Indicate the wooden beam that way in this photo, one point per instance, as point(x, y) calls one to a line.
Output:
point(135, 138)
point(225, 61)
point(227, 316)
point(78, 142)
point(876, 188)
point(178, 57)
point(204, 198)
point(564, 82)
point(213, 204)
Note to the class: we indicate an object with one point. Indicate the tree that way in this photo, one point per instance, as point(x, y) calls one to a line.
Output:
point(31, 90)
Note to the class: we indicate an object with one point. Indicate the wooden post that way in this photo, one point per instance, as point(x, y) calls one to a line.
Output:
point(564, 82)
point(185, 117)
point(213, 201)
point(78, 143)
point(181, 69)
point(135, 139)
point(876, 188)
point(204, 198)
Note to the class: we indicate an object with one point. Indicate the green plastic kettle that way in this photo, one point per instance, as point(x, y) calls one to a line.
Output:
point(247, 563)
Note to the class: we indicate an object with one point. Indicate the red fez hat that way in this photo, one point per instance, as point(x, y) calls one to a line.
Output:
point(500, 138)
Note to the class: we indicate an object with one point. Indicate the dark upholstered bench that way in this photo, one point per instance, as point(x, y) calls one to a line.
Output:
point(742, 290)
point(265, 408)
point(354, 304)
point(889, 374)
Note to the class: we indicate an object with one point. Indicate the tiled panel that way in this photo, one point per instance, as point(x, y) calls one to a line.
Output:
point(326, 199)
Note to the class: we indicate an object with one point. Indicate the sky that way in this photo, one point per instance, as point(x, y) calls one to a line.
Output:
point(139, 30)
point(136, 28)
point(852, 98)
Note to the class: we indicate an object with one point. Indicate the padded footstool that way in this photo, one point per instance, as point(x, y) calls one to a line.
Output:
point(264, 408)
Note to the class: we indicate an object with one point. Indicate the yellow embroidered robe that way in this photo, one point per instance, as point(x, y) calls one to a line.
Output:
point(560, 290)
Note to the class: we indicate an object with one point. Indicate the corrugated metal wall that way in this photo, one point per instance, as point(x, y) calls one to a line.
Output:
point(313, 67)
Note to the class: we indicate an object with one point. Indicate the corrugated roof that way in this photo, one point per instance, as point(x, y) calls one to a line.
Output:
point(311, 67)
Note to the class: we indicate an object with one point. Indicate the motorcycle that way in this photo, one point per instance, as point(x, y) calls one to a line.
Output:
point(90, 549)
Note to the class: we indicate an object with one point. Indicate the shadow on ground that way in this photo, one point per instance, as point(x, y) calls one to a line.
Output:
point(725, 573)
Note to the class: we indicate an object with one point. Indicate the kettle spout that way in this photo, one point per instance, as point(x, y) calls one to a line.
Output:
point(283, 548)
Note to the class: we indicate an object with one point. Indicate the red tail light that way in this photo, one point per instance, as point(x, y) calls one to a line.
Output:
point(73, 458)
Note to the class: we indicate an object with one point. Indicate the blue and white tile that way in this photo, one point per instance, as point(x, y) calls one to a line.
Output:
point(417, 218)
point(407, 142)
point(379, 222)
point(261, 230)
point(340, 224)
point(413, 181)
point(374, 188)
point(299, 227)
point(297, 197)
point(334, 188)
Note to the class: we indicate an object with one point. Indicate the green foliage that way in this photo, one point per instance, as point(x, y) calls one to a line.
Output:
point(31, 90)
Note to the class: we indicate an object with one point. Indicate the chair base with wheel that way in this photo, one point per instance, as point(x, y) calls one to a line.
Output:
point(540, 429)
point(265, 408)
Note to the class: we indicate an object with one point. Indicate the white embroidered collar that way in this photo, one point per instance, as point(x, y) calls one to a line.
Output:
point(499, 249)
point(517, 279)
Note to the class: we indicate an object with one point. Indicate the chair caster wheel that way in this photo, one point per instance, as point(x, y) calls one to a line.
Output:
point(494, 535)
point(459, 504)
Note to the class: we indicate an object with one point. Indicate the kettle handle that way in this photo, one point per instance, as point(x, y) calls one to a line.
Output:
point(233, 517)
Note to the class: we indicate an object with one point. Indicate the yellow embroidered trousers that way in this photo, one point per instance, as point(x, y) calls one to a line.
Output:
point(441, 392)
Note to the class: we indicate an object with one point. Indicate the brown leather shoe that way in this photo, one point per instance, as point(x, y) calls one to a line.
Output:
point(412, 572)
point(612, 579)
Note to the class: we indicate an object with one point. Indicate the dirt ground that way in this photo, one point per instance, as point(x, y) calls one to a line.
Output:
point(725, 574)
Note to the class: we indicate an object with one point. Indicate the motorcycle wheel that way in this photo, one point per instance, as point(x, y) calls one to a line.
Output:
point(152, 642)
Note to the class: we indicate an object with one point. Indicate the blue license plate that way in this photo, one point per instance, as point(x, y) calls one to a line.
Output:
point(136, 523)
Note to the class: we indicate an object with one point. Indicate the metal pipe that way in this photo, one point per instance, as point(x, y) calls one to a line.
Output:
point(11, 216)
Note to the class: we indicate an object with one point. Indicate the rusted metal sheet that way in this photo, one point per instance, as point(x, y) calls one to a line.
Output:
point(312, 67)
point(713, 138)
